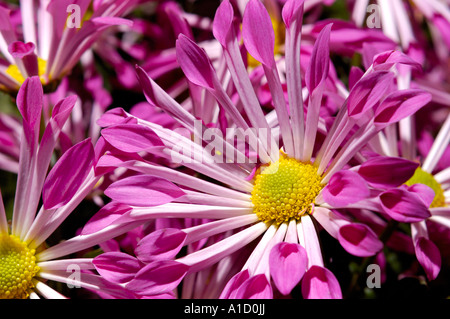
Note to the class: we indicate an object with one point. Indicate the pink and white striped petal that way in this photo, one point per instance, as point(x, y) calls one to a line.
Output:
point(143, 191)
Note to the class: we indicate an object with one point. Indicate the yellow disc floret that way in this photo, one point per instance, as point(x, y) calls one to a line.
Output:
point(422, 177)
point(17, 268)
point(285, 189)
point(14, 72)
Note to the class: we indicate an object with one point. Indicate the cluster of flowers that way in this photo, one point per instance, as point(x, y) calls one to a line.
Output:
point(263, 149)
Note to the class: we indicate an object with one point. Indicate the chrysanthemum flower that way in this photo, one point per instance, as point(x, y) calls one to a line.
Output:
point(43, 200)
point(277, 200)
point(48, 47)
point(426, 190)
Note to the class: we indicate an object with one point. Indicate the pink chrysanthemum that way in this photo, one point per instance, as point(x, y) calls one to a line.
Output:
point(26, 263)
point(277, 200)
point(48, 47)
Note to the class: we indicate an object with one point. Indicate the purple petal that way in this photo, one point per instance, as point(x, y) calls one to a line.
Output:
point(131, 138)
point(30, 101)
point(194, 62)
point(258, 33)
point(256, 287)
point(143, 190)
point(387, 172)
point(230, 290)
point(158, 277)
point(320, 283)
point(287, 264)
point(107, 215)
point(160, 244)
point(62, 110)
point(428, 256)
point(385, 60)
point(291, 11)
point(399, 105)
point(25, 53)
point(366, 93)
point(68, 175)
point(404, 206)
point(359, 240)
point(112, 117)
point(425, 193)
point(223, 21)
point(318, 67)
point(116, 267)
point(345, 187)
point(354, 76)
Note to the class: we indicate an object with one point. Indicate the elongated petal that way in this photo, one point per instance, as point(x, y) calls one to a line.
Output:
point(320, 283)
point(345, 187)
point(68, 175)
point(359, 240)
point(404, 206)
point(30, 101)
point(400, 104)
point(367, 92)
point(158, 277)
point(143, 191)
point(194, 62)
point(131, 138)
point(318, 67)
point(258, 33)
point(256, 287)
point(160, 244)
point(116, 266)
point(287, 264)
point(291, 11)
point(62, 109)
point(385, 60)
point(389, 172)
point(223, 21)
point(106, 216)
point(428, 256)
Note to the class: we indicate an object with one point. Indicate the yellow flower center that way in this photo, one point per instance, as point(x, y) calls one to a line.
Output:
point(14, 72)
point(17, 268)
point(422, 177)
point(285, 189)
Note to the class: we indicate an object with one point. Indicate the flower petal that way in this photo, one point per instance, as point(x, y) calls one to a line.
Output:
point(404, 206)
point(256, 287)
point(345, 187)
point(320, 283)
point(194, 62)
point(223, 21)
point(116, 267)
point(318, 67)
point(428, 256)
point(158, 277)
point(400, 104)
point(287, 262)
point(143, 190)
point(131, 138)
point(258, 33)
point(229, 292)
point(68, 175)
point(107, 215)
point(160, 244)
point(387, 172)
point(359, 240)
